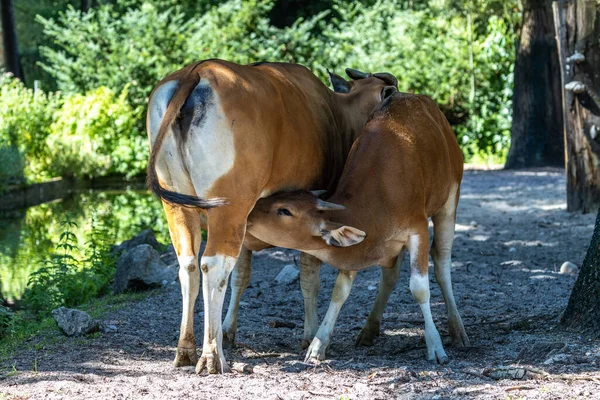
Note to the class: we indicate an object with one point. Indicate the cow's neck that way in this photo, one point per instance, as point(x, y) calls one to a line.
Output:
point(348, 121)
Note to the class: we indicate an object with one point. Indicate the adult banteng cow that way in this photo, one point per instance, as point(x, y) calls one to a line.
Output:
point(404, 168)
point(222, 136)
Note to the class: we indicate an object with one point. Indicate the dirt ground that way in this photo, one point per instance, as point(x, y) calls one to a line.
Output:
point(513, 234)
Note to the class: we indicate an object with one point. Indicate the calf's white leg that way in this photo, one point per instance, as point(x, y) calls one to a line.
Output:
point(310, 281)
point(387, 282)
point(441, 250)
point(343, 285)
point(419, 287)
point(240, 278)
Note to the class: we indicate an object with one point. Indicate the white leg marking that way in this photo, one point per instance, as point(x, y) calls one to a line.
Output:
point(215, 272)
point(343, 285)
point(419, 287)
point(189, 278)
point(240, 278)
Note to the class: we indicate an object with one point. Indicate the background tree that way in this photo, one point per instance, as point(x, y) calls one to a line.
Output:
point(583, 310)
point(578, 25)
point(536, 133)
point(9, 39)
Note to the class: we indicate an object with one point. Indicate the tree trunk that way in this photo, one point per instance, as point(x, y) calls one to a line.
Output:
point(9, 39)
point(583, 311)
point(578, 27)
point(85, 5)
point(536, 133)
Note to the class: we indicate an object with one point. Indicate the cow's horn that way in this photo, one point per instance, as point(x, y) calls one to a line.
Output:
point(387, 78)
point(327, 206)
point(318, 193)
point(356, 74)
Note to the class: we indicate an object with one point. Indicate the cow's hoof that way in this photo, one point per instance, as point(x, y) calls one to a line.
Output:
point(213, 364)
point(185, 357)
point(458, 336)
point(228, 340)
point(438, 356)
point(366, 337)
point(316, 351)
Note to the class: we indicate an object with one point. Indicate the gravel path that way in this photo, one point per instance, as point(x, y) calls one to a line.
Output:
point(513, 233)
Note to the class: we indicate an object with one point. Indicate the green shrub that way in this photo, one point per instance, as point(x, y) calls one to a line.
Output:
point(65, 280)
point(25, 119)
point(95, 135)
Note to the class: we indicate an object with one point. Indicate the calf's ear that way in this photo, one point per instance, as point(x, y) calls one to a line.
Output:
point(343, 236)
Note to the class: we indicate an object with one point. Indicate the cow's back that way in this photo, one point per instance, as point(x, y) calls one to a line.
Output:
point(407, 157)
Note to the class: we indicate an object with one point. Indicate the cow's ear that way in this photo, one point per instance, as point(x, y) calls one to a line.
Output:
point(339, 84)
point(343, 236)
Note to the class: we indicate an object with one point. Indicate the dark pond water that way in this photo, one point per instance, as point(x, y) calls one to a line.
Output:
point(29, 237)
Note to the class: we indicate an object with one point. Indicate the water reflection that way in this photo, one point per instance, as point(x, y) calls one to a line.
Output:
point(29, 236)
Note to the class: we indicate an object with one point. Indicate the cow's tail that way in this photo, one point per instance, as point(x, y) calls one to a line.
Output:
point(182, 92)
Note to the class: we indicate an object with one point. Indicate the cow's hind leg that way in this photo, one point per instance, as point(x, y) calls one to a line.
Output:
point(419, 287)
point(387, 282)
point(310, 282)
point(441, 250)
point(184, 227)
point(226, 230)
point(240, 278)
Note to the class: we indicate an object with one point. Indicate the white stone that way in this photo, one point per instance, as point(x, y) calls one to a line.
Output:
point(568, 268)
point(289, 274)
point(371, 287)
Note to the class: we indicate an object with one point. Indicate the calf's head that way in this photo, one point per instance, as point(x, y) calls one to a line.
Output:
point(299, 220)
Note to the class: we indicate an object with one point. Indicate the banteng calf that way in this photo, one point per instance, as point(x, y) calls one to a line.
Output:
point(404, 168)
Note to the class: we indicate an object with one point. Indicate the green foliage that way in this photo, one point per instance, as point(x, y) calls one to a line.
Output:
point(25, 119)
point(427, 44)
point(95, 135)
point(65, 280)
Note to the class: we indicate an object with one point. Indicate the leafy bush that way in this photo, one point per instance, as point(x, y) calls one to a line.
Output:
point(25, 119)
point(95, 135)
point(67, 281)
point(428, 46)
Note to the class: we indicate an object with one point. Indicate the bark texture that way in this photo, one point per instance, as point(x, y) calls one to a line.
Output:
point(536, 133)
point(9, 39)
point(578, 27)
point(583, 311)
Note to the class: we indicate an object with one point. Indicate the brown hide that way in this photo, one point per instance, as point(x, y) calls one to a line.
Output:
point(403, 168)
point(290, 131)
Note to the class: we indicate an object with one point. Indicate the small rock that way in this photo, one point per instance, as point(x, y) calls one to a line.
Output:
point(108, 328)
point(558, 359)
point(74, 322)
point(144, 237)
point(568, 268)
point(142, 268)
point(289, 274)
point(371, 287)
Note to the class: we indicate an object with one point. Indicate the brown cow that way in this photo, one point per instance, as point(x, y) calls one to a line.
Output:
point(224, 135)
point(404, 168)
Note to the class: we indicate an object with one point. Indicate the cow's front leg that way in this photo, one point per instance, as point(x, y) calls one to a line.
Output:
point(310, 281)
point(226, 230)
point(387, 283)
point(184, 227)
point(343, 285)
point(240, 278)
